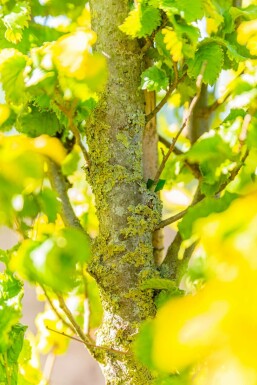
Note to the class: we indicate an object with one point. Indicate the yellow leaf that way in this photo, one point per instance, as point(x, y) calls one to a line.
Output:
point(216, 329)
point(49, 146)
point(187, 328)
point(211, 25)
point(222, 368)
point(44, 145)
point(173, 43)
point(4, 113)
point(48, 339)
point(232, 233)
point(247, 35)
point(72, 54)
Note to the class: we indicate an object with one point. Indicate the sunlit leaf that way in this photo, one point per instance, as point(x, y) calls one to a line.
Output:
point(16, 21)
point(53, 261)
point(154, 79)
point(212, 55)
point(142, 21)
point(12, 66)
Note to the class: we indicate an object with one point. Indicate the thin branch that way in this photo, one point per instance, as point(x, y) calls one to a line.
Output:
point(162, 103)
point(205, 112)
point(242, 138)
point(167, 143)
point(106, 348)
point(148, 44)
point(175, 69)
point(69, 113)
point(172, 219)
point(60, 185)
point(171, 265)
point(233, 173)
point(193, 167)
point(59, 315)
point(87, 340)
point(199, 82)
point(171, 88)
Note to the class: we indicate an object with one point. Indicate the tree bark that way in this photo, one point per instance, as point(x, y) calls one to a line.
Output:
point(127, 211)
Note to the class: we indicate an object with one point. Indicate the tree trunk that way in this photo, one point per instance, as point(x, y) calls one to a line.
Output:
point(127, 211)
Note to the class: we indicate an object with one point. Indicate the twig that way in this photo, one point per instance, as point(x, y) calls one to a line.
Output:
point(171, 88)
point(205, 112)
point(161, 104)
point(171, 265)
point(106, 348)
point(148, 44)
point(167, 143)
point(233, 173)
point(193, 167)
point(199, 82)
point(56, 311)
point(70, 317)
point(65, 335)
point(69, 113)
point(172, 219)
point(60, 185)
point(242, 138)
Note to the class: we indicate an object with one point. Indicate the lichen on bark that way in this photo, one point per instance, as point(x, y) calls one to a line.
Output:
point(127, 211)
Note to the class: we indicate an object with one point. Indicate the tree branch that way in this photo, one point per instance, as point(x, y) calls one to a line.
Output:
point(171, 265)
point(69, 113)
point(171, 88)
point(56, 311)
point(172, 219)
point(184, 125)
point(193, 167)
point(60, 185)
point(85, 338)
point(106, 348)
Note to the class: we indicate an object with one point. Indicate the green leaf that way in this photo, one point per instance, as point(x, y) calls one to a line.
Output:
point(141, 21)
point(95, 303)
point(35, 123)
point(11, 292)
point(158, 283)
point(181, 378)
point(203, 209)
point(149, 183)
point(160, 185)
point(211, 54)
point(16, 337)
point(71, 162)
point(53, 262)
point(143, 344)
point(16, 21)
point(190, 11)
point(247, 13)
point(49, 203)
point(208, 148)
point(154, 79)
point(12, 66)
point(215, 158)
point(234, 114)
point(165, 295)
